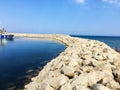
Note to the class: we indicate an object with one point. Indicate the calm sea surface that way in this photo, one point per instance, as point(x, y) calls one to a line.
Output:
point(21, 59)
point(113, 42)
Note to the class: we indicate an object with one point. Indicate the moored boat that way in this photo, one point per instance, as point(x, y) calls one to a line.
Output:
point(3, 34)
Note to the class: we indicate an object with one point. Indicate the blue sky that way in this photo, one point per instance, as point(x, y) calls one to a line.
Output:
point(81, 17)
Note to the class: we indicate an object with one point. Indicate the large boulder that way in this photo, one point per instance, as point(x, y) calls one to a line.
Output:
point(99, 87)
point(68, 71)
point(67, 86)
point(57, 82)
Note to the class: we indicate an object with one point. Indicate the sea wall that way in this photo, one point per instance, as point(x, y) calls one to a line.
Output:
point(84, 65)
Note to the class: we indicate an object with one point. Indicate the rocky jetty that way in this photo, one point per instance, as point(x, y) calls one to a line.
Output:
point(84, 65)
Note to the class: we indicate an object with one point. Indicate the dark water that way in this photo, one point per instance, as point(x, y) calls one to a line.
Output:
point(21, 59)
point(113, 42)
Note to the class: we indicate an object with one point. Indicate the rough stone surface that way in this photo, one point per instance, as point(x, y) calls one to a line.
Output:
point(66, 87)
point(45, 86)
point(84, 65)
point(57, 82)
point(99, 87)
point(68, 71)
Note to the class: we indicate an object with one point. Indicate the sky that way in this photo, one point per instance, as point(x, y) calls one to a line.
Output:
point(76, 17)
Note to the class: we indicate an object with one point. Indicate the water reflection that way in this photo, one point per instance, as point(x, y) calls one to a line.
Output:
point(3, 42)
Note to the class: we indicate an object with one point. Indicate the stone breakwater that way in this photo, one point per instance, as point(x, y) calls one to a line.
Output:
point(84, 65)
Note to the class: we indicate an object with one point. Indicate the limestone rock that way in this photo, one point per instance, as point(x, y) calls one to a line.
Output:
point(45, 86)
point(68, 71)
point(73, 63)
point(57, 82)
point(80, 88)
point(99, 87)
point(80, 80)
point(105, 50)
point(98, 56)
point(66, 87)
point(112, 84)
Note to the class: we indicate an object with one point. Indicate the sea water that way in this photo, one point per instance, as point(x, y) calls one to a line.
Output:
point(23, 58)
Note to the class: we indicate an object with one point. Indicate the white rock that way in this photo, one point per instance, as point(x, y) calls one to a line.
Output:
point(94, 77)
point(112, 84)
point(60, 65)
point(80, 88)
point(66, 87)
point(99, 87)
point(73, 63)
point(80, 80)
point(45, 86)
point(98, 56)
point(57, 82)
point(68, 71)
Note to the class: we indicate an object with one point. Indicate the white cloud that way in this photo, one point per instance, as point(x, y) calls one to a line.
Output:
point(80, 1)
point(112, 1)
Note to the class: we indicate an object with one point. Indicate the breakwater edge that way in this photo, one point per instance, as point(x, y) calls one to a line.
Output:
point(84, 65)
